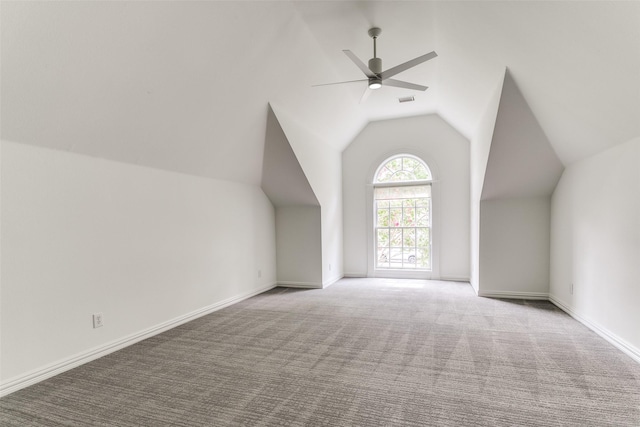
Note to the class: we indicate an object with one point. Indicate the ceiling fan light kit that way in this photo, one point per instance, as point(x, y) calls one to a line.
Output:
point(378, 78)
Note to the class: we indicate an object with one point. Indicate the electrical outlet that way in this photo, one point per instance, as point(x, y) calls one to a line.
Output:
point(329, 267)
point(98, 321)
point(571, 289)
point(259, 274)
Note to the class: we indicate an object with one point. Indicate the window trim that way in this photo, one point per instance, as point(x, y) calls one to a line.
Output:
point(434, 273)
point(404, 183)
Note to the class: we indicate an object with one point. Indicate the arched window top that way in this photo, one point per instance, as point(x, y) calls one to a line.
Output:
point(402, 168)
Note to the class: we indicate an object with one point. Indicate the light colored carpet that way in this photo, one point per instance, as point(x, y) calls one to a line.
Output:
point(361, 353)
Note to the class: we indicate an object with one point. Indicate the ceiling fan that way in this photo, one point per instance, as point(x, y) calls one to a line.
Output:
point(376, 77)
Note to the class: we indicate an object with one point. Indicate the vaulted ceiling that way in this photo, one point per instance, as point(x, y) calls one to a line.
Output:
point(185, 86)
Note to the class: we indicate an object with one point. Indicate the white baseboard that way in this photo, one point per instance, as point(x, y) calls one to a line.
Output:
point(454, 279)
point(514, 295)
point(475, 288)
point(330, 282)
point(59, 367)
point(302, 285)
point(35, 376)
point(355, 275)
point(615, 340)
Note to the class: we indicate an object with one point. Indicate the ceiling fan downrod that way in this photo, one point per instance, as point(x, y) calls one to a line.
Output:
point(375, 63)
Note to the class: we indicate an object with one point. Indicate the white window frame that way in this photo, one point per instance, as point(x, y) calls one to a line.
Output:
point(376, 227)
point(372, 271)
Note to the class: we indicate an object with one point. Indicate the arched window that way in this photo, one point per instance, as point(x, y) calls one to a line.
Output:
point(402, 168)
point(402, 214)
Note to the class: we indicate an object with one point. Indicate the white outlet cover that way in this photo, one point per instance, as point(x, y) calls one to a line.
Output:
point(97, 320)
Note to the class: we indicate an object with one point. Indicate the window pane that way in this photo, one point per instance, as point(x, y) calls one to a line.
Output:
point(395, 238)
point(408, 220)
point(383, 218)
point(402, 176)
point(410, 257)
point(383, 257)
point(423, 258)
point(409, 163)
point(382, 204)
point(384, 174)
point(396, 217)
point(422, 237)
point(395, 260)
point(404, 192)
point(409, 237)
point(422, 217)
point(383, 238)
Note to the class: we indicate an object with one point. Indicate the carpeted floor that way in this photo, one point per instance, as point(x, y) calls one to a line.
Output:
point(360, 353)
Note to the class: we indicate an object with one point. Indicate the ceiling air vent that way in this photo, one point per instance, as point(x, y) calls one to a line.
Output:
point(406, 99)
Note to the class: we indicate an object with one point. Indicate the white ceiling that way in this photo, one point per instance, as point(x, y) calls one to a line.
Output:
point(184, 86)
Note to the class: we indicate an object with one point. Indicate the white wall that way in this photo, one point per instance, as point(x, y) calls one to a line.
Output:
point(447, 154)
point(322, 166)
point(298, 246)
point(514, 247)
point(298, 215)
point(82, 235)
point(595, 243)
point(510, 219)
point(479, 156)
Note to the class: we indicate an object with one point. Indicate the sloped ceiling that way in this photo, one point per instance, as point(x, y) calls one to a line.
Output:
point(180, 85)
point(521, 161)
point(283, 179)
point(184, 85)
point(576, 63)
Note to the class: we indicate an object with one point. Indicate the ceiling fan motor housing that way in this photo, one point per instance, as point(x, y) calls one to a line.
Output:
point(375, 65)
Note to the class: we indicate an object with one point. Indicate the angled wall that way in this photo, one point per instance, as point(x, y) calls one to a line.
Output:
point(595, 244)
point(521, 161)
point(297, 211)
point(283, 180)
point(322, 165)
point(521, 173)
point(479, 156)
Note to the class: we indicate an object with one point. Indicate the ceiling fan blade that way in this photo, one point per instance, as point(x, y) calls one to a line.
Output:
point(367, 72)
point(405, 85)
point(340, 83)
point(405, 66)
point(365, 95)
